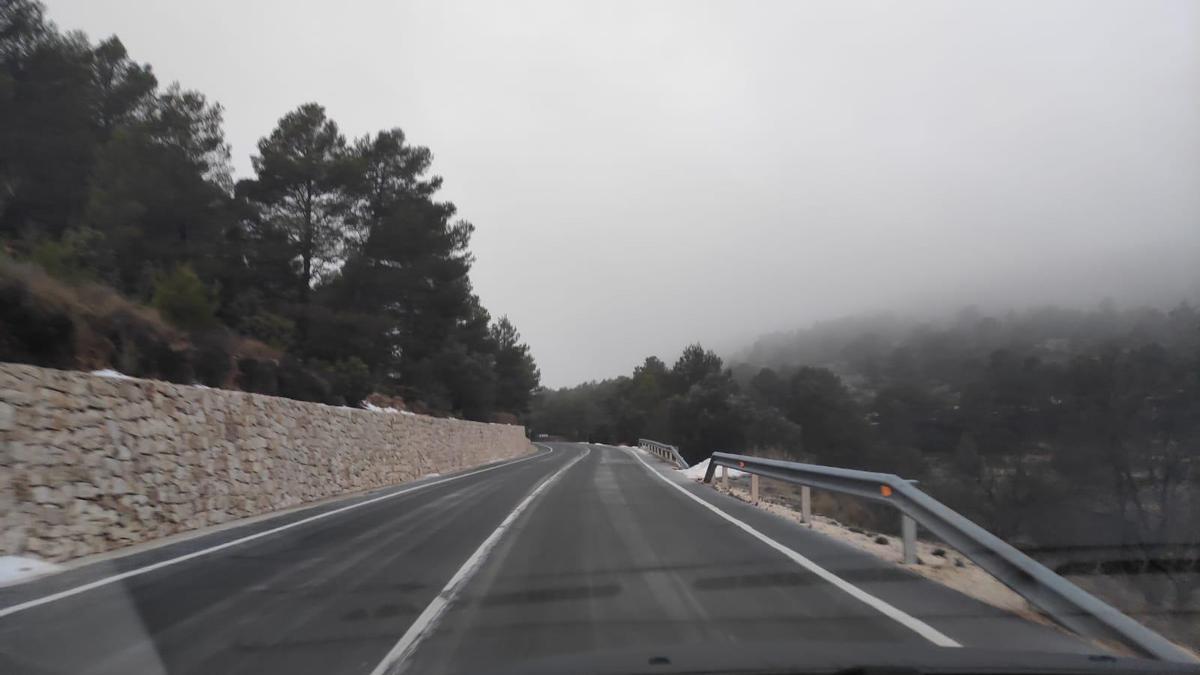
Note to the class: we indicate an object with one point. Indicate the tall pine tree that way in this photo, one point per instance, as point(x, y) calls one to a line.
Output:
point(304, 179)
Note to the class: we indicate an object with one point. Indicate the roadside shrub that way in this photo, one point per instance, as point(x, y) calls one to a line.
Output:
point(212, 359)
point(272, 329)
point(53, 257)
point(422, 408)
point(166, 361)
point(298, 382)
point(349, 380)
point(259, 376)
point(142, 350)
point(352, 381)
point(183, 299)
point(81, 254)
point(333, 335)
point(33, 333)
point(504, 418)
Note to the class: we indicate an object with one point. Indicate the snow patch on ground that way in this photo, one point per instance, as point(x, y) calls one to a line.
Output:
point(15, 569)
point(385, 409)
point(697, 471)
point(374, 408)
point(109, 372)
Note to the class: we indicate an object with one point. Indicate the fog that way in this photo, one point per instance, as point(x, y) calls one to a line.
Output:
point(644, 175)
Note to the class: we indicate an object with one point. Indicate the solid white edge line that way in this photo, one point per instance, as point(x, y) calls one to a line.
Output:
point(892, 612)
point(29, 604)
point(394, 660)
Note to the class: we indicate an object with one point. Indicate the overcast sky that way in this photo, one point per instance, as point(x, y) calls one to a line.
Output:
point(647, 174)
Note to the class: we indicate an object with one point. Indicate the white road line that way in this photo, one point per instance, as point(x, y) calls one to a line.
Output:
point(395, 659)
point(907, 620)
point(20, 607)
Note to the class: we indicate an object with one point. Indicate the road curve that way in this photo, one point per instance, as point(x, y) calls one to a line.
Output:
point(578, 550)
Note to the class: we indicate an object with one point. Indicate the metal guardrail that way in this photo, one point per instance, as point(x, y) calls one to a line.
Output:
point(1064, 602)
point(668, 452)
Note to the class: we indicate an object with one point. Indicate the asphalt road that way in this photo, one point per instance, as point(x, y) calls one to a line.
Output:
point(575, 553)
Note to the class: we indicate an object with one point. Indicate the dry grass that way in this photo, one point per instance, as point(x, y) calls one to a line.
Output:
point(244, 347)
point(96, 314)
point(104, 323)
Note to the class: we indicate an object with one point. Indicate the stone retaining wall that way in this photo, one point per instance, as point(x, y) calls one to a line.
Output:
point(90, 464)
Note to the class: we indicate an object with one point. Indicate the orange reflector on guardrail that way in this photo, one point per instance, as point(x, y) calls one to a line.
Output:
point(741, 465)
point(885, 490)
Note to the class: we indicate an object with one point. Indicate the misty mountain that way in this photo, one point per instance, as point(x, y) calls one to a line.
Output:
point(867, 350)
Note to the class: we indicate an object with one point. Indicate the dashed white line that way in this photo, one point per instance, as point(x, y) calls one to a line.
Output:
point(29, 604)
point(395, 659)
point(891, 611)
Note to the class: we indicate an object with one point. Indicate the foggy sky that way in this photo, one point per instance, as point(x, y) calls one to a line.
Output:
point(647, 174)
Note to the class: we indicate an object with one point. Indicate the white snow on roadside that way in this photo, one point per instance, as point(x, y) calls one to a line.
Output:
point(698, 470)
point(109, 372)
point(374, 408)
point(15, 569)
point(388, 409)
point(395, 411)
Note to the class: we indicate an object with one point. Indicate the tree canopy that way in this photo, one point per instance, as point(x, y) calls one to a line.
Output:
point(334, 271)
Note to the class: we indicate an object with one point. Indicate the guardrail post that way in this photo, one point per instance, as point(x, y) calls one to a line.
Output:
point(806, 505)
point(754, 488)
point(908, 531)
point(724, 476)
